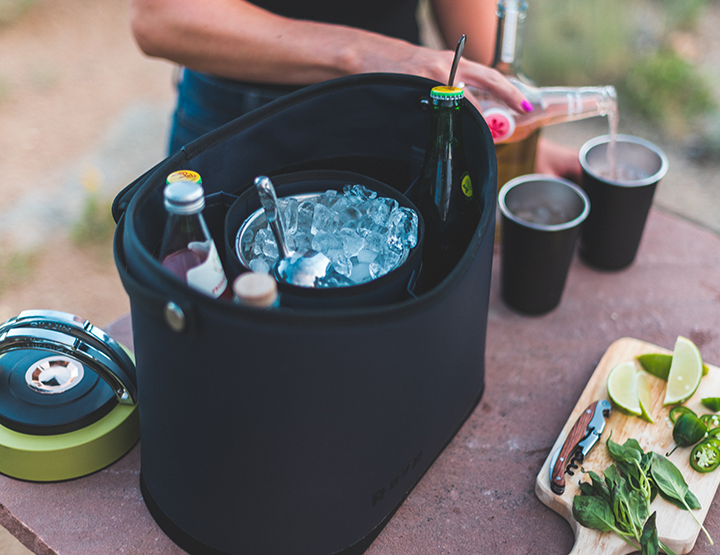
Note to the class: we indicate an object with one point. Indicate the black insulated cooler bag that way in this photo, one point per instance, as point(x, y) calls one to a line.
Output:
point(300, 431)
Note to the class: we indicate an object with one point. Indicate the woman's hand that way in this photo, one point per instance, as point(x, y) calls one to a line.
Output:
point(556, 159)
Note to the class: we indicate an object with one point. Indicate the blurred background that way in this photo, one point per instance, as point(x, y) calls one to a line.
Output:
point(83, 113)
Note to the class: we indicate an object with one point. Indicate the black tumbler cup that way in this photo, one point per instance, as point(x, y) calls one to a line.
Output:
point(620, 204)
point(541, 215)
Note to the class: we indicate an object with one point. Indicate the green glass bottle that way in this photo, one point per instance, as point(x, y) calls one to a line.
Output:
point(444, 193)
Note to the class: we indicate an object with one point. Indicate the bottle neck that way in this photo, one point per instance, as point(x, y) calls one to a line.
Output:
point(445, 119)
point(511, 18)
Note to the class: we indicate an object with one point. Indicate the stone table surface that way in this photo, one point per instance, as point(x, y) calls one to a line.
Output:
point(478, 497)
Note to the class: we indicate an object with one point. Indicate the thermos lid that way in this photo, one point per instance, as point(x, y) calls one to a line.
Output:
point(184, 197)
point(68, 400)
point(444, 92)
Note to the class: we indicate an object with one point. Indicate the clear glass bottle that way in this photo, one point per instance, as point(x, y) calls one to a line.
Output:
point(444, 192)
point(550, 105)
point(256, 289)
point(187, 249)
point(516, 135)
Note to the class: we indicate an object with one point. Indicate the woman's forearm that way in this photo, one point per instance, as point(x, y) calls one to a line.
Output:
point(238, 40)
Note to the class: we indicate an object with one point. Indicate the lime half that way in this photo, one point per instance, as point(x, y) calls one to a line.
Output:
point(644, 387)
point(622, 386)
point(685, 373)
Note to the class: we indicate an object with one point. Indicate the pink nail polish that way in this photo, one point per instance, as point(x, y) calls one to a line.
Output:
point(527, 106)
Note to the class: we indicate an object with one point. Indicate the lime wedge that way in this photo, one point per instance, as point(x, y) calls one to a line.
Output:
point(658, 364)
point(685, 373)
point(644, 386)
point(622, 386)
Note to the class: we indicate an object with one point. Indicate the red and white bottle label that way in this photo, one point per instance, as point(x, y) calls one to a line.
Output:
point(209, 276)
point(501, 123)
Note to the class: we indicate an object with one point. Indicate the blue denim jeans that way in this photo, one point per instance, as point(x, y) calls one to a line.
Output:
point(206, 103)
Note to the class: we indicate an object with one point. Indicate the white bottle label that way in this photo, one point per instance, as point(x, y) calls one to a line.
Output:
point(501, 123)
point(209, 276)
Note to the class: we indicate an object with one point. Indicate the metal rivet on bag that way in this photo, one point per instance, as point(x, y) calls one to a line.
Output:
point(175, 317)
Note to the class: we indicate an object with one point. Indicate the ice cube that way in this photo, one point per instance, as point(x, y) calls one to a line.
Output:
point(327, 197)
point(303, 241)
point(325, 241)
point(360, 273)
point(380, 208)
point(288, 208)
point(260, 238)
point(247, 241)
point(324, 219)
point(340, 262)
point(402, 229)
point(306, 209)
point(259, 265)
point(366, 256)
point(352, 242)
point(358, 193)
point(270, 248)
point(348, 216)
point(374, 240)
point(384, 263)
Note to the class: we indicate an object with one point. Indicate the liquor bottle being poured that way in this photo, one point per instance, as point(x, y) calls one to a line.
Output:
point(516, 135)
point(444, 193)
point(188, 250)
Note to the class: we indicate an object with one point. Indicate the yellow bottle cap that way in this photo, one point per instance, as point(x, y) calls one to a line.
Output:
point(184, 175)
point(444, 92)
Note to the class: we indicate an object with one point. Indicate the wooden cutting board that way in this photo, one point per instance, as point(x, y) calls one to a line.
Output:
point(676, 528)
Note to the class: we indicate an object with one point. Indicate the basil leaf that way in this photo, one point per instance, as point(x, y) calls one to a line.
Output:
point(668, 478)
point(628, 452)
point(690, 500)
point(639, 508)
point(649, 544)
point(599, 487)
point(670, 481)
point(612, 476)
point(622, 509)
point(593, 512)
point(586, 489)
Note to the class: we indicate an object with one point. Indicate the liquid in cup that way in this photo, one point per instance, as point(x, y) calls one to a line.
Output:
point(619, 177)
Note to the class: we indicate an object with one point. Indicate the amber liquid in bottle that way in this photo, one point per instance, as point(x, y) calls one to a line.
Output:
point(518, 158)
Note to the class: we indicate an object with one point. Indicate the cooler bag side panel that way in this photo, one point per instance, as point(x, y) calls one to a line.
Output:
point(303, 438)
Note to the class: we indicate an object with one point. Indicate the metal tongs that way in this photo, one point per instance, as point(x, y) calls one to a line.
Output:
point(582, 437)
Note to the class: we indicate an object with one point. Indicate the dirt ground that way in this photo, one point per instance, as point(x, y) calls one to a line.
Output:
point(68, 69)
